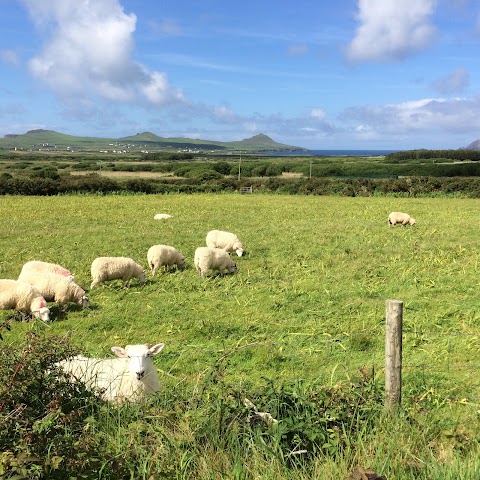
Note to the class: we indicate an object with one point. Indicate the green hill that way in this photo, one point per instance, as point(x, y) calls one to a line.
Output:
point(54, 141)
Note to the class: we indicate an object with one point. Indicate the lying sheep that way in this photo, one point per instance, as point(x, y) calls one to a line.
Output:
point(213, 259)
point(56, 288)
point(36, 266)
point(116, 268)
point(131, 376)
point(161, 216)
point(164, 256)
point(226, 240)
point(23, 297)
point(400, 217)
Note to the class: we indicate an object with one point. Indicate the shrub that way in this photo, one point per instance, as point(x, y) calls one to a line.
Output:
point(48, 172)
point(43, 418)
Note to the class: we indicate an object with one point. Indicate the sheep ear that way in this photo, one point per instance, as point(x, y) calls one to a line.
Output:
point(119, 352)
point(156, 349)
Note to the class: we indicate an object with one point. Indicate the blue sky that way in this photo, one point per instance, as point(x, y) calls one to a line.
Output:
point(343, 74)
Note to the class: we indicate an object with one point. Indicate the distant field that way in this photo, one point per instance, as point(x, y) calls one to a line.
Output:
point(309, 297)
point(127, 174)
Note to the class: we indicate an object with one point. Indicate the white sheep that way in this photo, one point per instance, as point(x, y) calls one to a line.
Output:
point(161, 216)
point(400, 217)
point(131, 376)
point(56, 288)
point(116, 268)
point(164, 256)
point(213, 259)
point(21, 296)
point(226, 240)
point(37, 266)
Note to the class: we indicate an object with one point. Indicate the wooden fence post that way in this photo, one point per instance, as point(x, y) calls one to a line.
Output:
point(393, 353)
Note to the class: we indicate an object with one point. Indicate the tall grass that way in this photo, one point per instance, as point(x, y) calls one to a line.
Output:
point(307, 304)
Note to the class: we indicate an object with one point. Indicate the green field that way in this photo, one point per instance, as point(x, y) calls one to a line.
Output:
point(307, 303)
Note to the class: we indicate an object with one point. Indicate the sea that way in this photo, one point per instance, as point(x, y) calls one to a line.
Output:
point(334, 153)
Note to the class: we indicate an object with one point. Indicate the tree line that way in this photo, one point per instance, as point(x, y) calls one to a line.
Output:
point(422, 154)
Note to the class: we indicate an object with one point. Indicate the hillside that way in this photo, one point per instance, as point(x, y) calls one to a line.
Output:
point(475, 145)
point(146, 141)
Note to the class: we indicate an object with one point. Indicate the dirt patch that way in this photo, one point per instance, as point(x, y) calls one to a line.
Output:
point(292, 174)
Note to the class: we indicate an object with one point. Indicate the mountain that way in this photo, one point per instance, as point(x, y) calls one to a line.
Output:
point(51, 140)
point(475, 145)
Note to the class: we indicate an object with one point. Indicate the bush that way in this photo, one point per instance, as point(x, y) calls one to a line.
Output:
point(43, 418)
point(48, 172)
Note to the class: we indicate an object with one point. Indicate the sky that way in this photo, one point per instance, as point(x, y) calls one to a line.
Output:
point(318, 74)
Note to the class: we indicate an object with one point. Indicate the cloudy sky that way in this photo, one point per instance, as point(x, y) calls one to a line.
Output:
point(333, 74)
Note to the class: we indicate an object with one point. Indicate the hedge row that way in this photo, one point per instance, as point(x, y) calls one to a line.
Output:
point(412, 186)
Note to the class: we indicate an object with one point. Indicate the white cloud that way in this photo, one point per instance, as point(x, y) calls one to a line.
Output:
point(431, 115)
point(318, 114)
point(454, 82)
point(88, 51)
point(391, 29)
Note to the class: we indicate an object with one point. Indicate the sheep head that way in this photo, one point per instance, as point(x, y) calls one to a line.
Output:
point(40, 310)
point(138, 357)
point(84, 301)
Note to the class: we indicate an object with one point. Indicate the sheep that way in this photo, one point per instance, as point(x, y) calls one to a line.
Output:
point(36, 266)
point(56, 288)
point(164, 256)
point(116, 268)
point(21, 296)
point(130, 377)
point(400, 217)
point(212, 259)
point(226, 240)
point(161, 216)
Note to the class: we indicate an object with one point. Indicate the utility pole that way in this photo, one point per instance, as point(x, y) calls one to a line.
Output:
point(239, 166)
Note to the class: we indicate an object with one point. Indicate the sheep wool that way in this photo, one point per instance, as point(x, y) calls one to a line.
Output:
point(21, 296)
point(37, 266)
point(213, 259)
point(130, 377)
point(56, 288)
point(226, 240)
point(400, 217)
point(116, 268)
point(164, 256)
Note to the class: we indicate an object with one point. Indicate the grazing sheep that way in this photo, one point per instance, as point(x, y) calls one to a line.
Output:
point(36, 266)
point(164, 256)
point(21, 296)
point(400, 217)
point(213, 259)
point(56, 288)
point(131, 376)
point(116, 268)
point(161, 216)
point(226, 240)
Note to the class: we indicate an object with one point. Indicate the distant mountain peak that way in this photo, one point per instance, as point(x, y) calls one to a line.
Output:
point(475, 145)
point(39, 130)
point(260, 139)
point(144, 137)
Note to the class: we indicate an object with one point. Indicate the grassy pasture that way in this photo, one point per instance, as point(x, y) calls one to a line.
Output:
point(308, 300)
